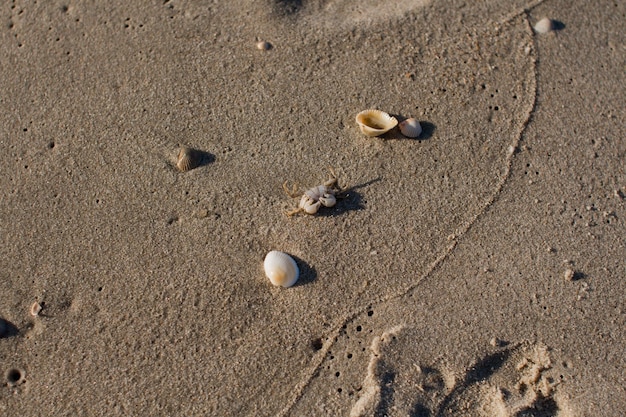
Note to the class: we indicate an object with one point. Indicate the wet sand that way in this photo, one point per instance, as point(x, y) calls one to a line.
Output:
point(477, 270)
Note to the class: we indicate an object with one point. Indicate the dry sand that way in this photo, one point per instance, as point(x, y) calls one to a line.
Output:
point(438, 287)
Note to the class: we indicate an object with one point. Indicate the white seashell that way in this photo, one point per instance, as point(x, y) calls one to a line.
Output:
point(545, 25)
point(188, 159)
point(375, 122)
point(410, 128)
point(281, 269)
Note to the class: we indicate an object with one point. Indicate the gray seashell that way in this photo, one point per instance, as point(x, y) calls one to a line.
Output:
point(410, 128)
point(15, 377)
point(188, 159)
point(545, 25)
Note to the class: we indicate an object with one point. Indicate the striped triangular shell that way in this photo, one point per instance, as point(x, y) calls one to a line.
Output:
point(410, 128)
point(188, 159)
point(375, 122)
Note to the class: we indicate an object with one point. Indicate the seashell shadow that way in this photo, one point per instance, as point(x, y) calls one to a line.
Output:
point(7, 329)
point(348, 200)
point(428, 129)
point(557, 25)
point(308, 274)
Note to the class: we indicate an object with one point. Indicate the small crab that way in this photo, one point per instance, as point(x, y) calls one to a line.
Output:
point(313, 198)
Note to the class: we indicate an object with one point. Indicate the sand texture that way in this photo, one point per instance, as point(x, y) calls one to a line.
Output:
point(478, 270)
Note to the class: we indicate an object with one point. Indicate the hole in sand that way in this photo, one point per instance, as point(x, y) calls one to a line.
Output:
point(316, 344)
point(14, 376)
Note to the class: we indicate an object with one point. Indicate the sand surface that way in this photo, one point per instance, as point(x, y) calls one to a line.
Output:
point(441, 285)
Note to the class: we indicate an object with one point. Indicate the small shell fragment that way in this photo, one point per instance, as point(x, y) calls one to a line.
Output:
point(35, 309)
point(281, 269)
point(188, 159)
point(545, 25)
point(410, 128)
point(375, 122)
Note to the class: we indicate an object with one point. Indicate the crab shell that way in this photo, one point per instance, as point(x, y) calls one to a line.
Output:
point(328, 200)
point(314, 198)
point(308, 205)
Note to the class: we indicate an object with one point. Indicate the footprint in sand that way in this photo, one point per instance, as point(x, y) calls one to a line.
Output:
point(520, 380)
point(486, 137)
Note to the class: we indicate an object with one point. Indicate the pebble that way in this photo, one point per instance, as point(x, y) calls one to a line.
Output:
point(263, 45)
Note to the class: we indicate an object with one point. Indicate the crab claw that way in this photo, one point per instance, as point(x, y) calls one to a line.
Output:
point(328, 200)
point(308, 205)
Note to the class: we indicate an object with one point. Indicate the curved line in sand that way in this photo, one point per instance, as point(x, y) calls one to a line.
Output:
point(321, 354)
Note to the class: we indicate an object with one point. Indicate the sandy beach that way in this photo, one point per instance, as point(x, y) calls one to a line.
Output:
point(477, 270)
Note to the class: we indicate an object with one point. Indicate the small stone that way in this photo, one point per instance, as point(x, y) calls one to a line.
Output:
point(202, 213)
point(569, 274)
point(263, 45)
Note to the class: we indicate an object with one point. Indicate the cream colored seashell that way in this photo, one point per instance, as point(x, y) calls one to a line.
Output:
point(375, 122)
point(545, 25)
point(410, 128)
point(281, 269)
point(188, 159)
